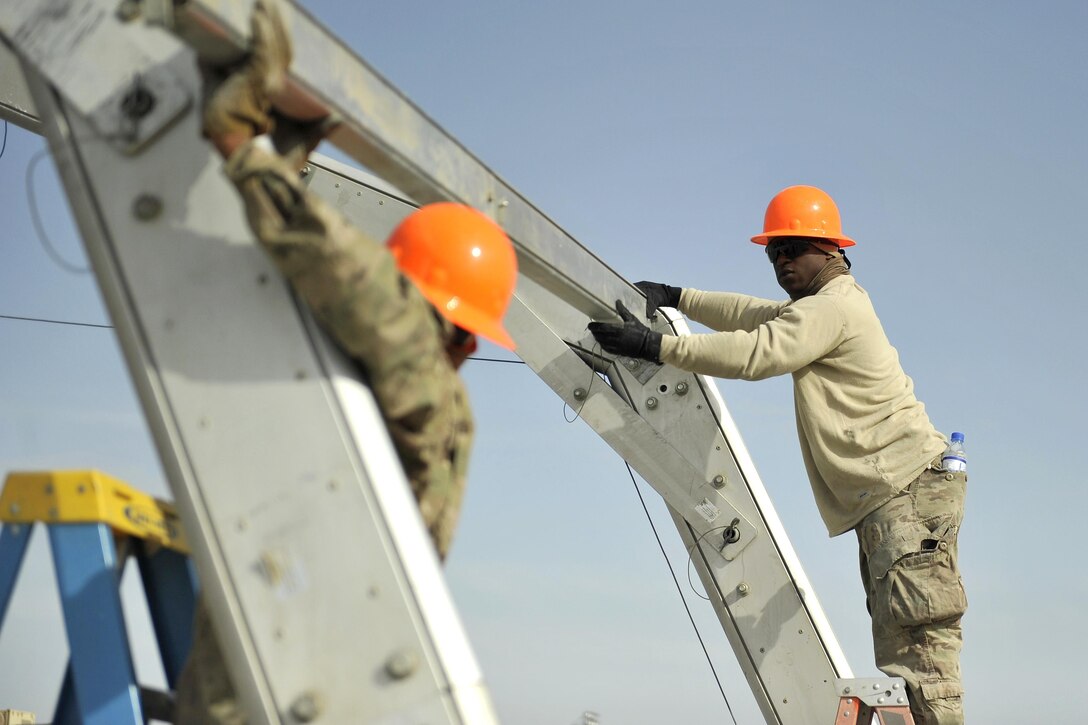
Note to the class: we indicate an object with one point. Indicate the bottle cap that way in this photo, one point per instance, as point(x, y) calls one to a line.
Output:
point(957, 437)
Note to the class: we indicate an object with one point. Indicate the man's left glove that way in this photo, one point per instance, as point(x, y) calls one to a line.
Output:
point(632, 338)
point(659, 295)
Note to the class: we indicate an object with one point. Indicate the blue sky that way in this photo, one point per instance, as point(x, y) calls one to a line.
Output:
point(951, 135)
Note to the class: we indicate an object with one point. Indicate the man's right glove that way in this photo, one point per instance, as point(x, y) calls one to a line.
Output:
point(658, 295)
point(630, 338)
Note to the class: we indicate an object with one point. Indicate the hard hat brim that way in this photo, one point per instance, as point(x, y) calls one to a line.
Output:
point(842, 241)
point(480, 324)
point(468, 317)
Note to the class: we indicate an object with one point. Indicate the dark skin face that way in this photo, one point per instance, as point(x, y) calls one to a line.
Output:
point(795, 275)
point(459, 345)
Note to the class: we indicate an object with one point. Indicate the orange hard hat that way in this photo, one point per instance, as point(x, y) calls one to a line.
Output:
point(462, 262)
point(803, 211)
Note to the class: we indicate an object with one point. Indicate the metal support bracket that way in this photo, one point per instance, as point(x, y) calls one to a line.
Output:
point(874, 691)
point(128, 95)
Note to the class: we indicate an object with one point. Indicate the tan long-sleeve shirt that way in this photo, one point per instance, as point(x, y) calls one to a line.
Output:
point(864, 436)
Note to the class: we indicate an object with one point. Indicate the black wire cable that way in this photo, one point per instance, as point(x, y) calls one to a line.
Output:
point(55, 322)
point(672, 572)
point(495, 359)
point(36, 219)
point(680, 591)
point(110, 327)
point(692, 548)
point(5, 144)
point(588, 389)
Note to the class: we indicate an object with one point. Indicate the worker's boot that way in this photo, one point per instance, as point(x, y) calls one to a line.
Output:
point(237, 100)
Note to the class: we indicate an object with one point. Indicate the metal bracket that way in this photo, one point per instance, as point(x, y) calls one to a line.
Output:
point(874, 691)
point(128, 95)
point(642, 370)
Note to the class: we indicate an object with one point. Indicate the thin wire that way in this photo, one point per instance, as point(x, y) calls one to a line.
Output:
point(55, 322)
point(589, 387)
point(680, 591)
point(5, 145)
point(495, 359)
point(691, 549)
point(36, 219)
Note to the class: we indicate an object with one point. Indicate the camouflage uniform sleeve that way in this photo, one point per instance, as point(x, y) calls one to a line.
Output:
point(353, 287)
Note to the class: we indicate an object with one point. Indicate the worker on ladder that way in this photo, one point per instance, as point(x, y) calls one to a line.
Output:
point(872, 455)
point(406, 312)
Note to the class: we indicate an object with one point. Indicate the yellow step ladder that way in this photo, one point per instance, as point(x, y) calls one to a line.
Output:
point(95, 522)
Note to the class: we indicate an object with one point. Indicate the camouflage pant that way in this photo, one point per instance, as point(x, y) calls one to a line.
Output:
point(205, 695)
point(915, 594)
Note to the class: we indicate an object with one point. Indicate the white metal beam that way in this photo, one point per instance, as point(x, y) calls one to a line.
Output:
point(321, 580)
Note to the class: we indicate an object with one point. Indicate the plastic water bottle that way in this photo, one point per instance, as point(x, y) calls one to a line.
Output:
point(955, 459)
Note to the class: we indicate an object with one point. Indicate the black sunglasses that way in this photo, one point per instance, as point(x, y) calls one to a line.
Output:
point(460, 336)
point(792, 247)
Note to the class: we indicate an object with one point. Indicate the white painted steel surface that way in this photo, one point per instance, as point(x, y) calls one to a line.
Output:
point(309, 546)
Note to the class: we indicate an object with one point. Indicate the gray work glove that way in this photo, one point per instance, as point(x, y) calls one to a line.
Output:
point(238, 99)
point(658, 295)
point(630, 338)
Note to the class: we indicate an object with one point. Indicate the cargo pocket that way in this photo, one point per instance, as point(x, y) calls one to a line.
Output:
point(941, 690)
point(942, 701)
point(916, 575)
